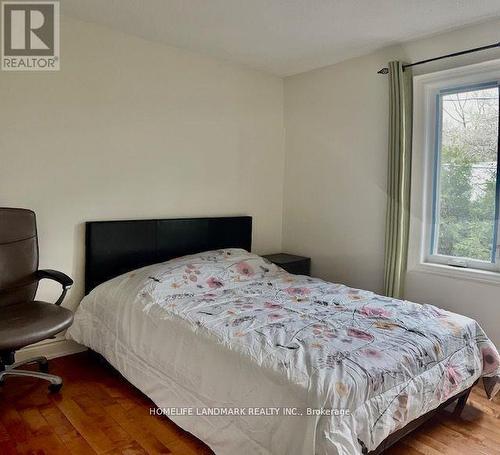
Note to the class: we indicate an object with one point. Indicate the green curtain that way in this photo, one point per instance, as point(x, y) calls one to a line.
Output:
point(398, 180)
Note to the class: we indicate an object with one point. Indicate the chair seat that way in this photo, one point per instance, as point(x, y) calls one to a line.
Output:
point(26, 323)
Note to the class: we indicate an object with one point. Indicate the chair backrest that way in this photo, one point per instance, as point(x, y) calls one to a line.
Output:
point(18, 256)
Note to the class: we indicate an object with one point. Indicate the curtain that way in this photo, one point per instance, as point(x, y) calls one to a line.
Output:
point(398, 180)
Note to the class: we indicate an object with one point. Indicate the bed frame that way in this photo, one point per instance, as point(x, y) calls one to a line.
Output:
point(116, 247)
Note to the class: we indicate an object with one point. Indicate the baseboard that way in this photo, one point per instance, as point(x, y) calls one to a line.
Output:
point(50, 348)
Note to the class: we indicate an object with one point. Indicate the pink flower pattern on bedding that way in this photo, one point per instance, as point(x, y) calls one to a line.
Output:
point(388, 361)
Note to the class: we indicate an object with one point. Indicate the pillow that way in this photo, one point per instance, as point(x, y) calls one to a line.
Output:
point(208, 271)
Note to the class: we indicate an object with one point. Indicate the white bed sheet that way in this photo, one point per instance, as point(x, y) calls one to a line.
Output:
point(153, 325)
point(178, 368)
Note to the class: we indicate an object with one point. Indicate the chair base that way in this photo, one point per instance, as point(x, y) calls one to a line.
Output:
point(43, 365)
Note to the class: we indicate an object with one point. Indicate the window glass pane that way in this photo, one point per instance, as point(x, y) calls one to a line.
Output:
point(467, 171)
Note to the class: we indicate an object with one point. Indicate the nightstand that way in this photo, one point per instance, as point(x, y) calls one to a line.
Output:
point(299, 265)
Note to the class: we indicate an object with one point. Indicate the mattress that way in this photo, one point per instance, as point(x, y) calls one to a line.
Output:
point(254, 360)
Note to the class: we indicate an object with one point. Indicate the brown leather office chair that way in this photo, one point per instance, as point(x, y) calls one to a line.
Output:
point(23, 320)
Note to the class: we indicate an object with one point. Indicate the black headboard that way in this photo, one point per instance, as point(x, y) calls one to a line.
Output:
point(116, 247)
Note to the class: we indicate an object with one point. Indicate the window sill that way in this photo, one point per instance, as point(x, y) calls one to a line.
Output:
point(480, 276)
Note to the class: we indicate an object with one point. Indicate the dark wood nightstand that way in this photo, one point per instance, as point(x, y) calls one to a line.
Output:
point(299, 265)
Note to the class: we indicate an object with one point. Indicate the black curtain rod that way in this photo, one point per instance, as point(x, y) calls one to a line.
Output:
point(455, 54)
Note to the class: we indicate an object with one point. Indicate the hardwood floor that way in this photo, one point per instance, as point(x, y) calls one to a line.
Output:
point(99, 412)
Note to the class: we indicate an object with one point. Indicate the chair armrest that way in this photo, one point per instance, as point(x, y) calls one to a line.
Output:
point(64, 280)
point(60, 277)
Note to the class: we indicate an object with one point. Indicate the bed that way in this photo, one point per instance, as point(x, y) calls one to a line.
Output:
point(254, 360)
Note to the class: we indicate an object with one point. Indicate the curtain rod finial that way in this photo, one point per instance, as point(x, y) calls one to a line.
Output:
point(383, 71)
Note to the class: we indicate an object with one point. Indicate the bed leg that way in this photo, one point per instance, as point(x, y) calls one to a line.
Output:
point(461, 403)
point(364, 449)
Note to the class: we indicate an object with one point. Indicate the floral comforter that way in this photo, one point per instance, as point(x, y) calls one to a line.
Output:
point(380, 362)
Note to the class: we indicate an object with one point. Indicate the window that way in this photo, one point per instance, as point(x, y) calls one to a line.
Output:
point(465, 190)
point(455, 194)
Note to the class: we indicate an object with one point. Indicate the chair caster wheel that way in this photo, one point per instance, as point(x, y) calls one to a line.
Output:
point(54, 388)
point(44, 367)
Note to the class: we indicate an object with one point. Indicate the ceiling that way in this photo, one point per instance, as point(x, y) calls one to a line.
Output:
point(282, 37)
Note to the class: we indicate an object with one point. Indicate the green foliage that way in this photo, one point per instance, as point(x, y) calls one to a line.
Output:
point(466, 222)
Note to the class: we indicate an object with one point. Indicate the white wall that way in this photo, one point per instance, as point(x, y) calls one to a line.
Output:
point(134, 129)
point(336, 122)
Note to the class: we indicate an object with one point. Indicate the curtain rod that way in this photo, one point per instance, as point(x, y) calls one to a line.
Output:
point(455, 54)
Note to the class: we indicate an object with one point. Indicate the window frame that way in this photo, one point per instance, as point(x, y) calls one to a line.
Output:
point(427, 89)
point(433, 256)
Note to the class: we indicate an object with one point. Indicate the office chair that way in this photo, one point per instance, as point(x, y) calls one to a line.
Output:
point(23, 320)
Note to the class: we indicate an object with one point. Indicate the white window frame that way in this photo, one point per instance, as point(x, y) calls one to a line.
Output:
point(425, 90)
